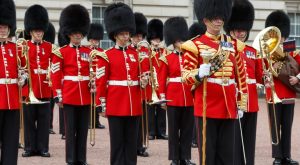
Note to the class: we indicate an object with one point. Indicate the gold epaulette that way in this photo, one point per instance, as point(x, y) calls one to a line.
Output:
point(190, 46)
point(240, 45)
point(56, 51)
point(100, 54)
point(164, 59)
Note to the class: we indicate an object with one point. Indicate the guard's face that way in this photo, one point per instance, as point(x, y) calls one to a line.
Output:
point(122, 38)
point(76, 38)
point(37, 35)
point(94, 42)
point(214, 25)
point(239, 34)
point(136, 39)
point(178, 44)
point(155, 42)
point(4, 31)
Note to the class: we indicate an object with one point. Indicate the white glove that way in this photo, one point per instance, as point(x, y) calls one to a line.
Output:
point(92, 85)
point(240, 114)
point(204, 70)
point(163, 97)
point(144, 81)
point(22, 79)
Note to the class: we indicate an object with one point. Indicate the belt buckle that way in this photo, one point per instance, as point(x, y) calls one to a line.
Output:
point(39, 71)
point(129, 82)
point(8, 81)
point(225, 81)
point(80, 77)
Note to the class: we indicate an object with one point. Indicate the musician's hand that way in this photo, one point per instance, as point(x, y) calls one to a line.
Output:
point(204, 70)
point(103, 114)
point(164, 106)
point(240, 114)
point(276, 65)
point(293, 80)
point(144, 81)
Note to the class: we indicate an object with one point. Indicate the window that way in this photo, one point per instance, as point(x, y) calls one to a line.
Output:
point(295, 28)
point(98, 17)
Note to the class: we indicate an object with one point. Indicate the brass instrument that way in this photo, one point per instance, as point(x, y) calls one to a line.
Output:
point(92, 60)
point(267, 42)
point(22, 47)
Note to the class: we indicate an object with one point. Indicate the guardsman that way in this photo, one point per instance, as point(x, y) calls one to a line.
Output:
point(71, 64)
point(238, 27)
point(136, 38)
point(157, 115)
point(213, 65)
point(281, 152)
point(119, 83)
point(37, 92)
point(9, 74)
point(180, 107)
point(94, 37)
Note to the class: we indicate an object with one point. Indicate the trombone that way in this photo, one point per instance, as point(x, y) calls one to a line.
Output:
point(92, 59)
point(267, 41)
point(21, 45)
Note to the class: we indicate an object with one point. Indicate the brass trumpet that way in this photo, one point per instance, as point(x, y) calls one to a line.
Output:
point(267, 42)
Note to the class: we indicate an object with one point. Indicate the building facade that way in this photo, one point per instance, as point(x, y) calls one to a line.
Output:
point(164, 9)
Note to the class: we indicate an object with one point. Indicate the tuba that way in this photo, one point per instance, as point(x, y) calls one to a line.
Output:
point(267, 42)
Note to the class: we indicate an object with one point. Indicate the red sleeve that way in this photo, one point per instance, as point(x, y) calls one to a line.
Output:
point(162, 77)
point(102, 72)
point(56, 74)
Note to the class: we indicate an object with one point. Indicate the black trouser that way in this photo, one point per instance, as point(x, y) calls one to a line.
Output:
point(195, 132)
point(76, 129)
point(157, 120)
point(36, 123)
point(248, 124)
point(51, 112)
point(284, 119)
point(220, 141)
point(180, 122)
point(9, 136)
point(123, 144)
point(142, 131)
point(61, 121)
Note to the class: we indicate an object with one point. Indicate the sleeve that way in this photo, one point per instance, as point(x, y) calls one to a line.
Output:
point(258, 69)
point(191, 63)
point(240, 72)
point(162, 76)
point(56, 71)
point(296, 56)
point(102, 73)
point(144, 62)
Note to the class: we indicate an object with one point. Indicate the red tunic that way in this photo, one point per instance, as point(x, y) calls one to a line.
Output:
point(170, 81)
point(39, 58)
point(254, 75)
point(118, 82)
point(221, 97)
point(9, 71)
point(72, 66)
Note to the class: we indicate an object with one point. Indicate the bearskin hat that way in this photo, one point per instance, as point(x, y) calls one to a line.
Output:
point(36, 18)
point(62, 40)
point(74, 18)
point(155, 30)
point(213, 9)
point(118, 17)
point(141, 24)
point(197, 28)
point(175, 29)
point(8, 14)
point(96, 32)
point(242, 16)
point(50, 34)
point(281, 20)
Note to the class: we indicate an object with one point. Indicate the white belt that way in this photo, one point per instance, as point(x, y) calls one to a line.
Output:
point(123, 83)
point(8, 81)
point(77, 78)
point(175, 79)
point(251, 81)
point(40, 71)
point(223, 82)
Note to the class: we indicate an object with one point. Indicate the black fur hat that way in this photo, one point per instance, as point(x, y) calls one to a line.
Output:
point(62, 40)
point(96, 32)
point(118, 17)
point(50, 34)
point(8, 14)
point(155, 30)
point(242, 16)
point(36, 18)
point(281, 20)
point(141, 24)
point(74, 18)
point(197, 28)
point(175, 29)
point(213, 9)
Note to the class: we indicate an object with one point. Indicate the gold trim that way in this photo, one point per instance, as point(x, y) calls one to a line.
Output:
point(212, 36)
point(56, 51)
point(190, 46)
point(240, 46)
